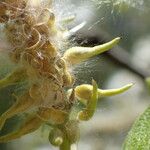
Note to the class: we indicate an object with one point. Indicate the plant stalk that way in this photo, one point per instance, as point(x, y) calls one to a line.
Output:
point(66, 145)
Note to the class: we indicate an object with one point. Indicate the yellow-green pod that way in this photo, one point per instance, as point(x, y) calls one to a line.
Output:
point(13, 78)
point(76, 55)
point(84, 92)
point(56, 137)
point(89, 111)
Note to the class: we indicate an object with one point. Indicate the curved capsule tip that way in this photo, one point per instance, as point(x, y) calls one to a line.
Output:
point(112, 92)
point(84, 92)
point(89, 111)
point(76, 55)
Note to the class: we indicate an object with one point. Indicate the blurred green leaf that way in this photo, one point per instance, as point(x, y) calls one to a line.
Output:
point(139, 136)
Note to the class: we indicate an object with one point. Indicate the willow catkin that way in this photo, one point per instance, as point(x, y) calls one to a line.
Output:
point(30, 35)
point(31, 31)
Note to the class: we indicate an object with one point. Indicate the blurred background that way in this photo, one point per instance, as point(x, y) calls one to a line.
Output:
point(128, 62)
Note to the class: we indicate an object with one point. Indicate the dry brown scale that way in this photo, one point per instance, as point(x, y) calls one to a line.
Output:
point(29, 35)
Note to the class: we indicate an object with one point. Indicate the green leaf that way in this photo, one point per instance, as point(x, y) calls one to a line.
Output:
point(139, 136)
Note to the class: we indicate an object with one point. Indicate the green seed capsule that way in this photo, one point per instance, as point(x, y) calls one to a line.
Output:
point(56, 137)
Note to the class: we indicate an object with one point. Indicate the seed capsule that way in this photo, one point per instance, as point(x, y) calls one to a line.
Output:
point(76, 55)
point(56, 137)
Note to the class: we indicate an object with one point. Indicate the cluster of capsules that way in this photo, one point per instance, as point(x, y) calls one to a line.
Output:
point(33, 36)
